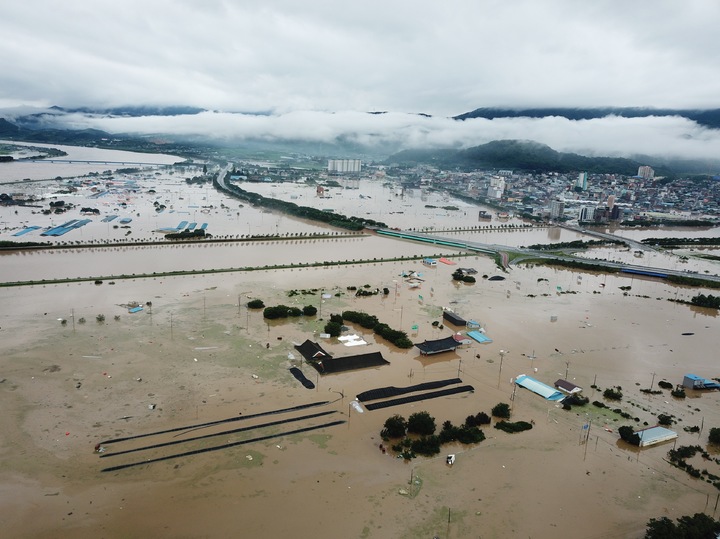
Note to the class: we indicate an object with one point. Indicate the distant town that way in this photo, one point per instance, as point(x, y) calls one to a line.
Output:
point(582, 198)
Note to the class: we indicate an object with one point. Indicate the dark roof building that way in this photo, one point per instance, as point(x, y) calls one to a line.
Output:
point(312, 351)
point(567, 387)
point(447, 344)
point(349, 363)
point(454, 319)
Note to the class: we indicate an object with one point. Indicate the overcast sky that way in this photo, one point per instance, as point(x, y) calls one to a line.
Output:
point(312, 57)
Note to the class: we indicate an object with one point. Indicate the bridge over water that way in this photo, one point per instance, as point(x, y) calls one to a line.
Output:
point(502, 250)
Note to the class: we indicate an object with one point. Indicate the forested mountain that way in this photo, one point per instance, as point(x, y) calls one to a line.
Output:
point(706, 117)
point(516, 154)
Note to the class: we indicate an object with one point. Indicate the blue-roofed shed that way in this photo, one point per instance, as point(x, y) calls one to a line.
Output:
point(693, 381)
point(544, 390)
point(479, 336)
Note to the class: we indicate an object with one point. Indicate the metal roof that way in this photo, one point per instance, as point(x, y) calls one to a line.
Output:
point(544, 390)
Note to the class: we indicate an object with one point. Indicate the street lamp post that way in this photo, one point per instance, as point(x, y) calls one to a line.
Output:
point(502, 356)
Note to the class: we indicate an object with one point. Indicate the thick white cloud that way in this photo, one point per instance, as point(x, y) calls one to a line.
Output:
point(410, 56)
point(300, 61)
point(657, 136)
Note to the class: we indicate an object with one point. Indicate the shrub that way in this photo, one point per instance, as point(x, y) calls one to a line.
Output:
point(501, 410)
point(479, 419)
point(427, 445)
point(613, 394)
point(469, 435)
point(421, 423)
point(273, 313)
point(333, 329)
point(698, 525)
point(309, 310)
point(629, 435)
point(714, 436)
point(512, 428)
point(365, 320)
point(404, 342)
point(394, 427)
point(255, 304)
point(100, 318)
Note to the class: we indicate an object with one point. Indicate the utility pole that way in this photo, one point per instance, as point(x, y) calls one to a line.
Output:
point(459, 365)
point(587, 438)
point(567, 368)
point(447, 534)
point(502, 355)
point(171, 326)
point(652, 382)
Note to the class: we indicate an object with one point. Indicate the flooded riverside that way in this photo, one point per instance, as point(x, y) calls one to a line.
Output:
point(129, 260)
point(63, 166)
point(197, 354)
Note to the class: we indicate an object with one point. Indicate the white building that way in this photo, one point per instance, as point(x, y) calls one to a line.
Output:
point(344, 165)
point(496, 187)
point(582, 181)
point(645, 172)
point(557, 208)
point(587, 213)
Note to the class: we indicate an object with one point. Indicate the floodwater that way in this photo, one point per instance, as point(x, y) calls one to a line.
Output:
point(196, 354)
point(107, 160)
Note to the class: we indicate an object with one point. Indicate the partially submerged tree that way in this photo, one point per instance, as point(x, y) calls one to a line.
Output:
point(421, 423)
point(501, 410)
point(395, 427)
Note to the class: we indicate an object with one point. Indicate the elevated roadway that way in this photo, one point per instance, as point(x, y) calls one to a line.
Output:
point(493, 249)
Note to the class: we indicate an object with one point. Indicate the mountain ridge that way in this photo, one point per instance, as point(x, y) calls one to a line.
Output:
point(705, 117)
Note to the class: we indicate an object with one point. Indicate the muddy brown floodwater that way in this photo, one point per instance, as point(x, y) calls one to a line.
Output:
point(197, 355)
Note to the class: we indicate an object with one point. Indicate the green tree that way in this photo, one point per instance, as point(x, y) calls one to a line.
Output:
point(714, 436)
point(395, 427)
point(333, 329)
point(255, 304)
point(628, 434)
point(421, 423)
point(309, 310)
point(501, 410)
point(427, 445)
point(273, 313)
point(698, 526)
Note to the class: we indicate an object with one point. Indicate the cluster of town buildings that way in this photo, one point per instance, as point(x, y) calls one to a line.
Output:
point(584, 197)
point(581, 196)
